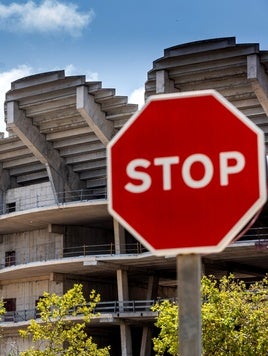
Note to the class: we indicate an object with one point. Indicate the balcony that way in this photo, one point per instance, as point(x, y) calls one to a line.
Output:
point(115, 309)
point(39, 199)
point(100, 250)
point(26, 210)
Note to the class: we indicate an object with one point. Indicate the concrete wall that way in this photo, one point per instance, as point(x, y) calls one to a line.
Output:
point(27, 292)
point(12, 344)
point(32, 196)
point(30, 246)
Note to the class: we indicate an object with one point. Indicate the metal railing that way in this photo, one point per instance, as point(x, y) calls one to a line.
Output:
point(127, 306)
point(260, 234)
point(44, 253)
point(103, 249)
point(116, 308)
point(40, 200)
point(82, 195)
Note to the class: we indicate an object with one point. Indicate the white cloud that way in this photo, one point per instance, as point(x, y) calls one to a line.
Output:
point(49, 15)
point(92, 76)
point(70, 69)
point(137, 97)
point(5, 84)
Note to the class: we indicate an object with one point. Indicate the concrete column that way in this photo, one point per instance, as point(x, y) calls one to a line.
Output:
point(122, 285)
point(147, 330)
point(126, 343)
point(146, 341)
point(256, 74)
point(4, 185)
point(152, 287)
point(61, 176)
point(125, 332)
point(163, 83)
point(119, 238)
point(122, 290)
point(93, 115)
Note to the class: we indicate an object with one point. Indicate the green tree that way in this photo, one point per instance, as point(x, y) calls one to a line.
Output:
point(60, 332)
point(2, 308)
point(2, 312)
point(234, 319)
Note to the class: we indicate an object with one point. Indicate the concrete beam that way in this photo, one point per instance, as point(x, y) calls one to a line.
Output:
point(68, 133)
point(26, 169)
point(4, 185)
point(31, 176)
point(259, 80)
point(163, 83)
point(4, 178)
point(60, 175)
point(94, 116)
point(55, 229)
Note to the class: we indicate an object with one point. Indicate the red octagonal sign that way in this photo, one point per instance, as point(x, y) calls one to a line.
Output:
point(186, 173)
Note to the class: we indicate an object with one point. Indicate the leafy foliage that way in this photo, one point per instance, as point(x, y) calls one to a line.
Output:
point(58, 333)
point(2, 308)
point(2, 312)
point(167, 322)
point(234, 319)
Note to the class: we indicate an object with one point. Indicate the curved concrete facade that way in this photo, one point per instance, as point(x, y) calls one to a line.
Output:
point(55, 229)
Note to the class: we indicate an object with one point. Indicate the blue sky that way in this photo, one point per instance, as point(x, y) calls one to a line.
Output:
point(114, 41)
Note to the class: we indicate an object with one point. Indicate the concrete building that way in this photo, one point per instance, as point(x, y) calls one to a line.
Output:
point(55, 229)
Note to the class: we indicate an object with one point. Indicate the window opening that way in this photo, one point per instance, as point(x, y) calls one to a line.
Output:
point(37, 312)
point(10, 306)
point(11, 207)
point(10, 258)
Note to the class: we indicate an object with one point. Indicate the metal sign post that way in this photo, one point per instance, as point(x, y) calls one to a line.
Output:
point(189, 301)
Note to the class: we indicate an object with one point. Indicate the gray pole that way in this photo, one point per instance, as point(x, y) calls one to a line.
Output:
point(189, 301)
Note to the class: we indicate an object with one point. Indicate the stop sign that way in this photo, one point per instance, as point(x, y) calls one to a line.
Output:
point(186, 173)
